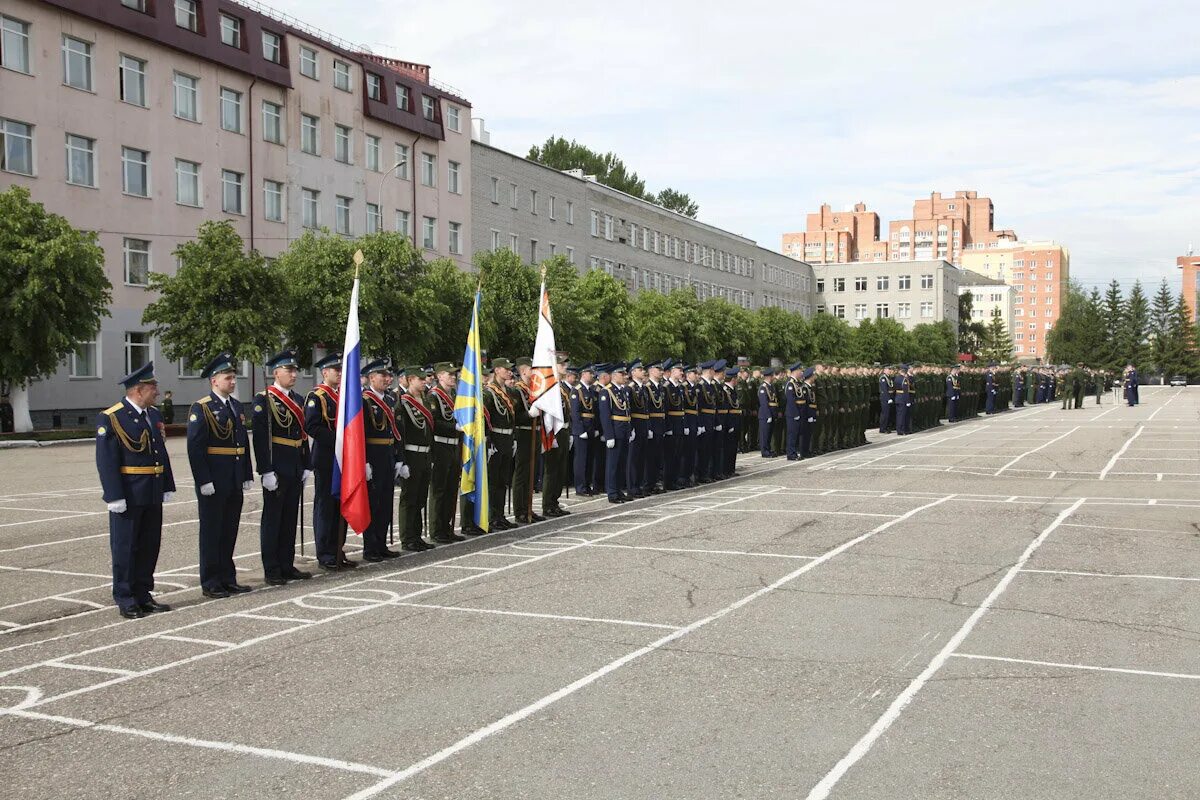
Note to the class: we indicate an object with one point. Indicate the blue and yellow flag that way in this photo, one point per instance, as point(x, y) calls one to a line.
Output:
point(468, 413)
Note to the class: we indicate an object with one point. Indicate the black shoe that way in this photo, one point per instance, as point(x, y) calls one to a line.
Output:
point(616, 500)
point(275, 580)
point(390, 554)
point(216, 594)
point(131, 612)
point(532, 518)
point(416, 547)
point(374, 559)
point(236, 588)
point(152, 606)
point(626, 498)
point(346, 563)
point(298, 575)
point(329, 567)
point(502, 524)
point(450, 538)
point(473, 531)
point(562, 512)
point(552, 513)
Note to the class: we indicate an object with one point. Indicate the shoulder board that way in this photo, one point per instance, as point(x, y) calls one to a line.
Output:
point(112, 409)
point(205, 399)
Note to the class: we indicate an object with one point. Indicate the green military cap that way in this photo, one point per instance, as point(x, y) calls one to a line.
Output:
point(444, 366)
point(561, 360)
point(524, 362)
point(501, 363)
point(414, 370)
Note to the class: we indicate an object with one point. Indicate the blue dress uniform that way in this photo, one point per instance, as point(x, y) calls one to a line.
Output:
point(1018, 389)
point(793, 411)
point(582, 401)
point(953, 394)
point(691, 430)
point(903, 402)
point(281, 450)
point(990, 388)
point(716, 438)
point(219, 454)
point(768, 411)
point(639, 415)
point(673, 439)
point(383, 451)
point(733, 423)
point(887, 403)
point(656, 403)
point(808, 414)
point(320, 421)
point(616, 427)
point(135, 474)
point(599, 452)
point(1131, 386)
point(706, 424)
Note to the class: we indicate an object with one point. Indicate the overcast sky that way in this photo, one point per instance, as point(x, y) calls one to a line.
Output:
point(1080, 118)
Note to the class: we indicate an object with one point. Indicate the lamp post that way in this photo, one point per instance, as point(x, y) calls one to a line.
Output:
point(379, 190)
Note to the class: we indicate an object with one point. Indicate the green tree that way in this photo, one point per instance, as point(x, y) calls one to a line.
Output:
point(560, 154)
point(508, 312)
point(724, 328)
point(883, 340)
point(602, 306)
point(831, 339)
point(998, 344)
point(934, 343)
point(222, 298)
point(55, 294)
point(1135, 328)
point(970, 333)
point(781, 334)
point(1078, 332)
point(677, 202)
point(1161, 346)
point(449, 313)
point(659, 324)
point(1114, 315)
point(1182, 356)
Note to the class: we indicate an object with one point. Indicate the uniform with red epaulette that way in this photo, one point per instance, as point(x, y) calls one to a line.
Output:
point(320, 422)
point(385, 463)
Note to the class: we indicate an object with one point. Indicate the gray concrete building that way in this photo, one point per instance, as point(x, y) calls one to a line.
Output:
point(538, 212)
point(910, 292)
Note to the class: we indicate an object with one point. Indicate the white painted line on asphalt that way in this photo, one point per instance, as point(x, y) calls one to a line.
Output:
point(1110, 575)
point(1043, 446)
point(818, 511)
point(193, 640)
point(863, 745)
point(227, 747)
point(695, 550)
point(272, 618)
point(1112, 462)
point(1102, 413)
point(53, 572)
point(66, 599)
point(564, 617)
point(1089, 667)
point(90, 668)
point(415, 583)
point(533, 708)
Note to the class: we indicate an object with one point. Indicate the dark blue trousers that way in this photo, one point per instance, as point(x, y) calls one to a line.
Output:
point(134, 538)
point(327, 525)
point(220, 517)
point(616, 462)
point(581, 463)
point(764, 436)
point(381, 493)
point(277, 530)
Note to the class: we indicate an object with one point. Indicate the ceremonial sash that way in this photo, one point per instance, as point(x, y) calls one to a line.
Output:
point(412, 402)
point(387, 412)
point(291, 406)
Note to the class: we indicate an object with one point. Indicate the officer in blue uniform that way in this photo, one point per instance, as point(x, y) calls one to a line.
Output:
point(903, 402)
point(676, 421)
point(385, 463)
point(990, 388)
point(615, 424)
point(582, 402)
point(136, 478)
point(793, 411)
point(732, 401)
point(691, 426)
point(219, 454)
point(656, 435)
point(639, 414)
point(320, 422)
point(1018, 388)
point(953, 394)
point(1131, 385)
point(887, 400)
point(808, 413)
point(282, 456)
point(597, 469)
point(768, 410)
point(716, 434)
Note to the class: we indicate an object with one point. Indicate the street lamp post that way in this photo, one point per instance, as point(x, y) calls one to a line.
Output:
point(379, 190)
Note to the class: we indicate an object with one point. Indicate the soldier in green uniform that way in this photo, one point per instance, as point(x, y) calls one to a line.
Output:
point(415, 421)
point(168, 409)
point(556, 461)
point(498, 406)
point(446, 461)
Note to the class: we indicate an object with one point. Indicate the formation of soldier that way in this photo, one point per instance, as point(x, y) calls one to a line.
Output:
point(632, 430)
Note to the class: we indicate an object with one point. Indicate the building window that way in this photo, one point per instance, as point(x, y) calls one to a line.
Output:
point(137, 350)
point(374, 87)
point(512, 195)
point(308, 62)
point(904, 282)
point(341, 216)
point(81, 160)
point(533, 201)
point(550, 207)
point(402, 160)
point(570, 214)
point(860, 311)
point(309, 127)
point(839, 284)
point(881, 310)
point(135, 172)
point(533, 254)
point(512, 243)
point(231, 192)
point(137, 261)
point(84, 363)
point(133, 81)
point(14, 44)
point(881, 282)
point(77, 63)
point(595, 223)
point(427, 107)
point(926, 309)
point(403, 98)
point(374, 218)
point(309, 207)
point(454, 237)
point(272, 46)
point(452, 185)
point(231, 110)
point(17, 152)
point(608, 227)
point(374, 148)
point(428, 169)
point(273, 201)
point(231, 31)
point(860, 284)
point(341, 144)
point(495, 240)
point(187, 97)
point(926, 281)
point(185, 14)
point(341, 75)
point(571, 254)
point(429, 233)
point(839, 311)
point(496, 191)
point(454, 118)
point(272, 122)
point(187, 183)
point(403, 226)
point(136, 5)
point(904, 310)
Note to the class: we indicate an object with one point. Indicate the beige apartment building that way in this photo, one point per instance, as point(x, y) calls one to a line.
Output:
point(1038, 273)
point(912, 293)
point(141, 119)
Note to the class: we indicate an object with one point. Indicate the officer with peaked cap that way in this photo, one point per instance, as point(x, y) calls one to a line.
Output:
point(320, 422)
point(707, 422)
point(732, 402)
point(219, 453)
point(585, 429)
point(281, 453)
point(136, 479)
point(793, 405)
point(446, 464)
point(385, 464)
point(768, 410)
point(673, 441)
point(499, 408)
point(415, 421)
point(613, 406)
point(808, 413)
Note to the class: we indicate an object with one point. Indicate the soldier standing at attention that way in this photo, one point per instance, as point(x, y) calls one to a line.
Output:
point(282, 454)
point(582, 408)
point(733, 422)
point(556, 461)
point(673, 441)
point(384, 462)
point(656, 408)
point(498, 405)
point(416, 424)
point(528, 442)
point(768, 410)
point(1018, 379)
point(953, 393)
point(599, 452)
point(639, 416)
point(219, 453)
point(446, 463)
point(136, 478)
point(989, 387)
point(793, 411)
point(320, 421)
point(808, 413)
point(691, 432)
point(168, 408)
point(613, 406)
point(903, 401)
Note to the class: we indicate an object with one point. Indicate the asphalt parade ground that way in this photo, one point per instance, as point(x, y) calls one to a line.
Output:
point(1003, 608)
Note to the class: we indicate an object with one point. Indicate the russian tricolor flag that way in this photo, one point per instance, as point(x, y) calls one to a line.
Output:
point(350, 447)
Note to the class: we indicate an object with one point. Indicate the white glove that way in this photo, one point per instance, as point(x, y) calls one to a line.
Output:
point(402, 471)
point(167, 496)
point(118, 507)
point(534, 411)
point(370, 472)
point(247, 485)
point(611, 443)
point(908, 405)
point(208, 490)
point(514, 448)
point(491, 450)
point(797, 419)
point(669, 433)
point(812, 419)
point(890, 402)
point(700, 431)
point(768, 419)
point(583, 436)
point(687, 431)
point(649, 434)
point(632, 435)
point(270, 481)
point(718, 428)
point(305, 477)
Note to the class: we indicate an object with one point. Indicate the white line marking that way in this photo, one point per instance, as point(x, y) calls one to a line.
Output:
point(192, 640)
point(516, 716)
point(1112, 462)
point(1034, 450)
point(815, 511)
point(691, 550)
point(456, 566)
point(860, 748)
point(1110, 575)
point(53, 572)
point(415, 583)
point(539, 616)
point(272, 618)
point(90, 668)
point(1102, 413)
point(1151, 673)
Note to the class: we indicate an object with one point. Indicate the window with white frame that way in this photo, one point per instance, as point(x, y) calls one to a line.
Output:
point(273, 203)
point(860, 283)
point(608, 227)
point(185, 15)
point(16, 152)
point(231, 110)
point(904, 282)
point(341, 75)
point(81, 160)
point(77, 63)
point(308, 62)
point(838, 311)
point(495, 240)
point(926, 309)
point(512, 242)
point(571, 254)
point(860, 310)
point(374, 87)
point(881, 310)
point(231, 31)
point(429, 233)
point(272, 122)
point(135, 172)
point(404, 223)
point(341, 215)
point(374, 218)
point(342, 147)
point(533, 201)
point(374, 150)
point(136, 253)
point(427, 107)
point(85, 361)
point(272, 46)
point(926, 281)
point(881, 282)
point(133, 81)
point(14, 44)
point(187, 97)
point(533, 251)
point(187, 183)
point(403, 98)
point(570, 213)
point(231, 191)
point(137, 350)
point(428, 169)
point(309, 133)
point(904, 310)
point(401, 151)
point(496, 190)
point(310, 208)
point(454, 118)
point(452, 172)
point(595, 223)
point(454, 237)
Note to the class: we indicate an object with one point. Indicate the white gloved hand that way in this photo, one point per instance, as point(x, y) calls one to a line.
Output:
point(247, 485)
point(812, 419)
point(718, 428)
point(890, 402)
point(167, 496)
point(270, 481)
point(687, 431)
point(491, 450)
point(797, 419)
point(117, 507)
point(632, 435)
point(534, 411)
point(669, 433)
point(610, 444)
point(583, 436)
point(514, 449)
point(305, 477)
point(370, 472)
point(701, 430)
point(208, 490)
point(768, 420)
point(649, 434)
point(908, 405)
point(402, 471)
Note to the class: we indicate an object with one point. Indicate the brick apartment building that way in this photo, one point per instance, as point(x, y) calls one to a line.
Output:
point(833, 237)
point(1190, 283)
point(1039, 273)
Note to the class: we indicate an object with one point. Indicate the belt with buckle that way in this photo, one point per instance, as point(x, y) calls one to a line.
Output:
point(226, 451)
point(157, 469)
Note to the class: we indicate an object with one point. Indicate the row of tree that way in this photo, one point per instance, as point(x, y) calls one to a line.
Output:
point(1113, 329)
